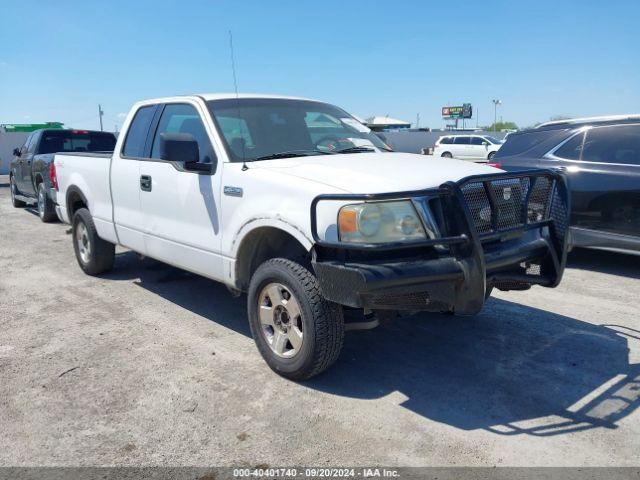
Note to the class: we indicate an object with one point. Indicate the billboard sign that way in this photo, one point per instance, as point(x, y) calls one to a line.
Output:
point(462, 111)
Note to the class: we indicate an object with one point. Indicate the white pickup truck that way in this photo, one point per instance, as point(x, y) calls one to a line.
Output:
point(304, 208)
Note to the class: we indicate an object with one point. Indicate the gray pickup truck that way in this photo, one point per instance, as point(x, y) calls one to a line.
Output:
point(30, 169)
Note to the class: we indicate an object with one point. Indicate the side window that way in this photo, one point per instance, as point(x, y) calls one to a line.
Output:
point(138, 130)
point(478, 141)
point(461, 140)
point(571, 149)
point(183, 118)
point(617, 144)
point(25, 148)
point(446, 141)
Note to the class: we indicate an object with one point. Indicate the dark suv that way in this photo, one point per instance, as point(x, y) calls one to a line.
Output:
point(601, 158)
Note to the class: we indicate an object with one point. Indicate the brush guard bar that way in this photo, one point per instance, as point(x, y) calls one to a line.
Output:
point(508, 230)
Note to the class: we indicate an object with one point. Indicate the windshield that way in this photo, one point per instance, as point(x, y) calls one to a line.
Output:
point(494, 140)
point(261, 128)
point(55, 141)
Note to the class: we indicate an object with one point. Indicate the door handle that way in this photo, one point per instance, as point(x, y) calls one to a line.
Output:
point(145, 183)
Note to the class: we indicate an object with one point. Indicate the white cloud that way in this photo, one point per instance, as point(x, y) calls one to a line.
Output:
point(3, 64)
point(122, 115)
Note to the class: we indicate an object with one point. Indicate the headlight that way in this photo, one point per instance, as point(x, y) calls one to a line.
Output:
point(380, 222)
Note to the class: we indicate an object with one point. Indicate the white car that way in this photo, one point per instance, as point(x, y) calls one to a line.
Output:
point(467, 147)
point(302, 207)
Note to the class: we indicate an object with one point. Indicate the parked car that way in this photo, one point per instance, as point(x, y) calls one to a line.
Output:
point(601, 157)
point(467, 147)
point(298, 204)
point(29, 170)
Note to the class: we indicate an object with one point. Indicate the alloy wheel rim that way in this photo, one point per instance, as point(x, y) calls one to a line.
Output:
point(280, 320)
point(82, 240)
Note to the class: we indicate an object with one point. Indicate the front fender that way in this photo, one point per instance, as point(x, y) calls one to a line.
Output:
point(280, 223)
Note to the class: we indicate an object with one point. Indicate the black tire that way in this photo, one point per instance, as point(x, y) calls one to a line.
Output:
point(491, 155)
point(46, 209)
point(322, 321)
point(100, 255)
point(447, 155)
point(14, 191)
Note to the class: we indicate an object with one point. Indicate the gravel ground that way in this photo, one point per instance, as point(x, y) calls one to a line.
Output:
point(150, 365)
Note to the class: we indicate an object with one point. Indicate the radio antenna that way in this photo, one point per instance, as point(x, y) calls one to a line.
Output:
point(235, 86)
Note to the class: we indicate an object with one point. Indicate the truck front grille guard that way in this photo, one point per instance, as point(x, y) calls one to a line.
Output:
point(482, 207)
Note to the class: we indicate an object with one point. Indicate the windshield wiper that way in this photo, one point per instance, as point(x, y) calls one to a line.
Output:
point(291, 154)
point(355, 150)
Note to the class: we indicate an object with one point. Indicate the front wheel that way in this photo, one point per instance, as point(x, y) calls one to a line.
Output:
point(14, 191)
point(46, 210)
point(297, 331)
point(94, 255)
point(491, 155)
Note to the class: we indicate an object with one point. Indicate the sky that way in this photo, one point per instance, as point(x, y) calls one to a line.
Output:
point(60, 59)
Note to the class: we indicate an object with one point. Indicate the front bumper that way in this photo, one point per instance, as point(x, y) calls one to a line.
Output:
point(451, 272)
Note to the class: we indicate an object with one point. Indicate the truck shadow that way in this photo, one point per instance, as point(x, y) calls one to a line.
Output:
point(511, 370)
point(613, 263)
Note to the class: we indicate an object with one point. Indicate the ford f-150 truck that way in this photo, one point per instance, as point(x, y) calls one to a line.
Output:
point(31, 164)
point(302, 207)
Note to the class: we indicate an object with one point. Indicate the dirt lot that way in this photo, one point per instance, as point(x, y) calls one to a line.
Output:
point(150, 365)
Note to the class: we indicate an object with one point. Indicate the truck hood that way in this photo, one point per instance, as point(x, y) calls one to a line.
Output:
point(376, 172)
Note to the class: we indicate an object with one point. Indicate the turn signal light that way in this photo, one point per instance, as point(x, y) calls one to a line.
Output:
point(347, 221)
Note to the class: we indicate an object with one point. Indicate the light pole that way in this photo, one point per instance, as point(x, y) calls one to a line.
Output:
point(496, 102)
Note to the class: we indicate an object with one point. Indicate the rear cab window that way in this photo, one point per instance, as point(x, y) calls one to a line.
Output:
point(54, 141)
point(135, 143)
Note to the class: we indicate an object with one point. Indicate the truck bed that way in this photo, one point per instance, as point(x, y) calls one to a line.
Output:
point(91, 178)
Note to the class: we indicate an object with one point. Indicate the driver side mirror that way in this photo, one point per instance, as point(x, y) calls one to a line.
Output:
point(16, 152)
point(486, 144)
point(183, 147)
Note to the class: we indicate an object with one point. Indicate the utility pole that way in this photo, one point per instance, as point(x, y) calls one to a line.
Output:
point(100, 114)
point(417, 120)
point(496, 102)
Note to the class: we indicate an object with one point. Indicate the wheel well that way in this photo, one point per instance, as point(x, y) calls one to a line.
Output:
point(39, 180)
point(265, 243)
point(75, 201)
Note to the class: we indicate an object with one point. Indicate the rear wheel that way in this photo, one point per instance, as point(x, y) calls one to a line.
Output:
point(297, 331)
point(46, 210)
point(14, 191)
point(447, 155)
point(94, 255)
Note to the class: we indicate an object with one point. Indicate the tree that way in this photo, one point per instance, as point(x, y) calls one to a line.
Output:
point(499, 126)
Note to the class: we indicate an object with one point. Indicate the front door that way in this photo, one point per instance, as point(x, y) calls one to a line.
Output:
point(125, 178)
point(181, 208)
point(25, 183)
